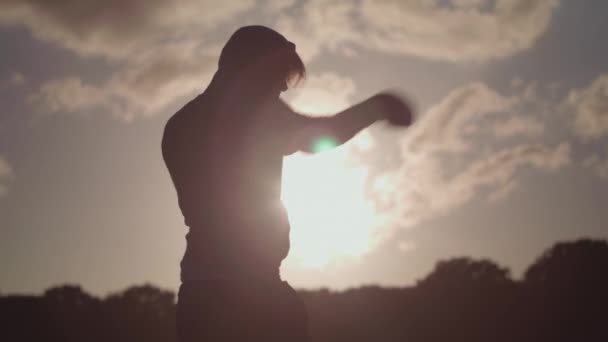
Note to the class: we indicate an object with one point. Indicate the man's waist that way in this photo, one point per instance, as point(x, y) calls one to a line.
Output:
point(229, 264)
point(235, 211)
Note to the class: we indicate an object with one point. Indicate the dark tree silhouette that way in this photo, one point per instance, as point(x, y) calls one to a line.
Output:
point(461, 274)
point(463, 300)
point(74, 314)
point(562, 297)
point(25, 318)
point(141, 313)
point(368, 313)
point(567, 292)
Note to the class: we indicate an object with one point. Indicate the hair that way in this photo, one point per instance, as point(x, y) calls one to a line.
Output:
point(296, 71)
point(251, 45)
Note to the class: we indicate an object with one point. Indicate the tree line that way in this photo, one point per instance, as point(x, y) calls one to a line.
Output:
point(562, 296)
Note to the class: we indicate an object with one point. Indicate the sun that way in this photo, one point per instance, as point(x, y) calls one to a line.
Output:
point(325, 194)
point(330, 216)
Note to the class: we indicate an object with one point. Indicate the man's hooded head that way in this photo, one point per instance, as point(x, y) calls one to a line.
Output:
point(258, 51)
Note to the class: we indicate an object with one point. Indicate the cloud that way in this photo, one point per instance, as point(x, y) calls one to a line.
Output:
point(158, 51)
point(274, 6)
point(155, 80)
point(470, 30)
point(147, 84)
point(590, 107)
point(6, 173)
point(446, 125)
point(500, 167)
point(428, 192)
point(466, 31)
point(455, 31)
point(519, 125)
point(321, 24)
point(467, 4)
point(448, 157)
point(118, 28)
point(456, 121)
point(68, 94)
point(456, 151)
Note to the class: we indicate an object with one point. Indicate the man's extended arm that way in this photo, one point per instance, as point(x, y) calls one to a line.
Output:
point(343, 126)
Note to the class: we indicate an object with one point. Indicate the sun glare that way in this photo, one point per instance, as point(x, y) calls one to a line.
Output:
point(328, 211)
point(331, 218)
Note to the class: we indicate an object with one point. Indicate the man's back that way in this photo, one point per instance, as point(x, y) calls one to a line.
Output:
point(226, 164)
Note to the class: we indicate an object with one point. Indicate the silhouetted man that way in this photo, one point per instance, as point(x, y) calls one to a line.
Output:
point(224, 151)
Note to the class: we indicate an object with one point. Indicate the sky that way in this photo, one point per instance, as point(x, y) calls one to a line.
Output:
point(508, 154)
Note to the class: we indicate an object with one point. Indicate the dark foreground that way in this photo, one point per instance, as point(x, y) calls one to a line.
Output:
point(563, 296)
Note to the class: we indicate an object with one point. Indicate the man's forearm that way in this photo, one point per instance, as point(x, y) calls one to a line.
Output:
point(340, 127)
point(351, 121)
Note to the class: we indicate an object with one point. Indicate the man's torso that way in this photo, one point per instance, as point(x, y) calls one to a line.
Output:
point(225, 160)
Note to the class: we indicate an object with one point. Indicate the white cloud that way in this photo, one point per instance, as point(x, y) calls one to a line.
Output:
point(68, 94)
point(118, 28)
point(321, 24)
point(455, 122)
point(519, 125)
point(446, 125)
point(590, 106)
point(500, 167)
point(6, 173)
point(426, 191)
point(161, 50)
point(468, 4)
point(445, 163)
point(158, 51)
point(590, 109)
point(144, 86)
point(153, 81)
point(460, 31)
point(275, 6)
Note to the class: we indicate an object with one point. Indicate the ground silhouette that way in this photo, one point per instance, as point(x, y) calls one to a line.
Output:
point(562, 297)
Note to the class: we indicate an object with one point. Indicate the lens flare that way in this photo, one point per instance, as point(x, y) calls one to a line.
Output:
point(323, 144)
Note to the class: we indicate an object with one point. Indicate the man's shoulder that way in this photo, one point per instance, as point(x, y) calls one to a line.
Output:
point(187, 116)
point(180, 124)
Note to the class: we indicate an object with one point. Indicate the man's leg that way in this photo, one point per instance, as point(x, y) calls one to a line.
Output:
point(210, 313)
point(298, 322)
point(247, 311)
